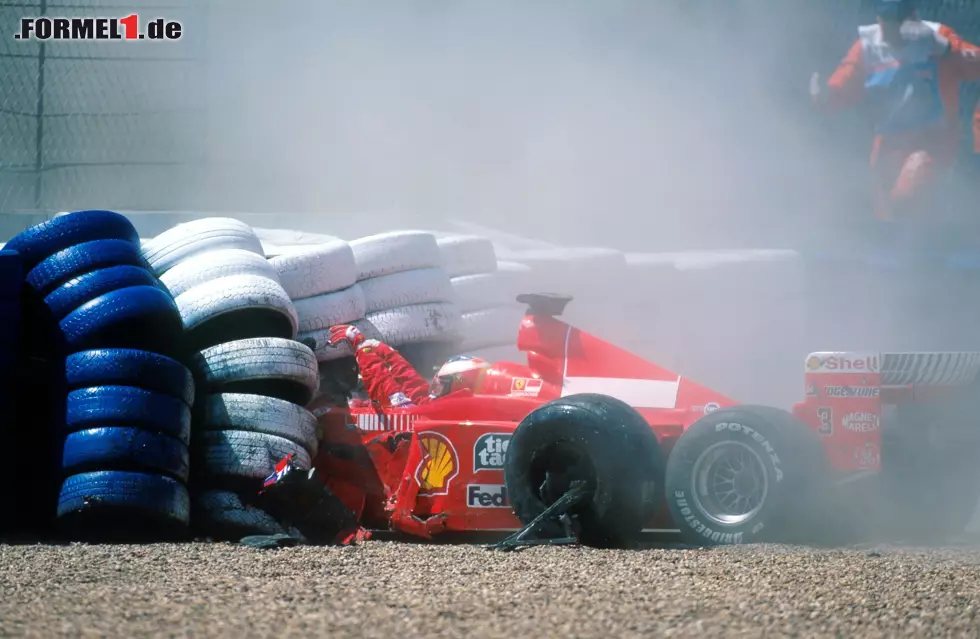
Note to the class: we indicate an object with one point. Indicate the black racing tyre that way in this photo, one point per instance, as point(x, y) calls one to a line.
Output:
point(121, 448)
point(86, 287)
point(594, 438)
point(127, 406)
point(77, 260)
point(745, 474)
point(140, 317)
point(123, 506)
point(45, 239)
point(223, 516)
point(129, 367)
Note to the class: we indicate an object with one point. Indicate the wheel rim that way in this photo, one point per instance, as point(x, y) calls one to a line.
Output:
point(730, 483)
point(558, 466)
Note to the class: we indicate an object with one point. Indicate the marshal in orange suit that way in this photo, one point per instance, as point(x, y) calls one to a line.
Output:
point(908, 71)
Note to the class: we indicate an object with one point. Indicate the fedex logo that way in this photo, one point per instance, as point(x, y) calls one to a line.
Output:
point(842, 363)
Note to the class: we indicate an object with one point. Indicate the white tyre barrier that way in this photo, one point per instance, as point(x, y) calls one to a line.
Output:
point(439, 322)
point(496, 326)
point(199, 236)
point(394, 252)
point(205, 267)
point(419, 286)
point(323, 311)
point(308, 271)
point(467, 255)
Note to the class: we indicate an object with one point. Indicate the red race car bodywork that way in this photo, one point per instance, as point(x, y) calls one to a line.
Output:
point(439, 467)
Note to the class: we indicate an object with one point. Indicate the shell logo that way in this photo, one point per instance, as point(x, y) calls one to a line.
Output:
point(439, 466)
point(813, 363)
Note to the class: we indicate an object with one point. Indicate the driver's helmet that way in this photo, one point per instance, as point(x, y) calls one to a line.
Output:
point(459, 372)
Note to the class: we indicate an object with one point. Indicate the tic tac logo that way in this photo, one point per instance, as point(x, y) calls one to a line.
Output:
point(486, 496)
point(439, 466)
point(842, 363)
point(490, 451)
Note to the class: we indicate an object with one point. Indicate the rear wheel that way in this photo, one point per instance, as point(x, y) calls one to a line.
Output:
point(744, 474)
point(594, 439)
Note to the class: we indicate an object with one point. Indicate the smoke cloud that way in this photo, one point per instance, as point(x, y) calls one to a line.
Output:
point(640, 126)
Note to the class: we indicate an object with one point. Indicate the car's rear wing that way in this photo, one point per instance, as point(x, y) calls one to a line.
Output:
point(847, 393)
point(893, 375)
point(901, 369)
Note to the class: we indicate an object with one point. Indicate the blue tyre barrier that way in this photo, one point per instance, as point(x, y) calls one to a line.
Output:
point(121, 448)
point(101, 406)
point(10, 322)
point(86, 287)
point(123, 504)
point(140, 317)
point(129, 367)
point(11, 308)
point(11, 274)
point(80, 259)
point(45, 239)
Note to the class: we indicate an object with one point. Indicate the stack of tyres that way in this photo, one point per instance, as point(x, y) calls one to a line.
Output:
point(252, 377)
point(251, 414)
point(321, 280)
point(223, 286)
point(125, 455)
point(485, 291)
point(11, 275)
point(103, 331)
point(408, 295)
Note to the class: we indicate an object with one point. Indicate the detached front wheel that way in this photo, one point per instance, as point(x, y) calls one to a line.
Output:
point(593, 441)
point(742, 475)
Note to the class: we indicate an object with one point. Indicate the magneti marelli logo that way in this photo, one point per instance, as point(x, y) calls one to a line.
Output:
point(129, 27)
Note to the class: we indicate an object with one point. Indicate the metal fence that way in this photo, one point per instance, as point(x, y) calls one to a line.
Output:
point(95, 124)
point(125, 125)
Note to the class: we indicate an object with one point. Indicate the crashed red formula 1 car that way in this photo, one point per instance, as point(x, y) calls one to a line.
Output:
point(590, 443)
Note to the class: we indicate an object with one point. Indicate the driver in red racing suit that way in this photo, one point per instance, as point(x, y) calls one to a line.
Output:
point(391, 381)
point(910, 71)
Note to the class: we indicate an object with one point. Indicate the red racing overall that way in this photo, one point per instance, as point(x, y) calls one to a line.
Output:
point(914, 95)
point(388, 378)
